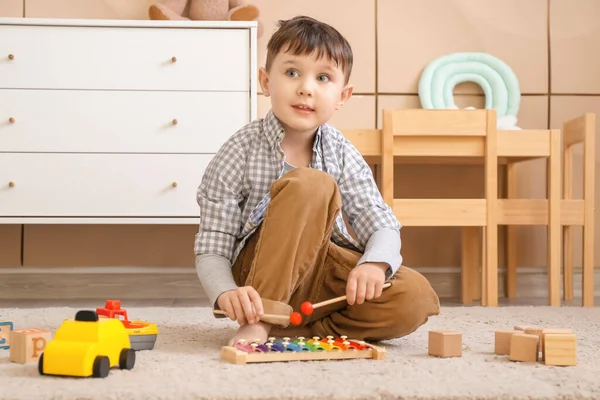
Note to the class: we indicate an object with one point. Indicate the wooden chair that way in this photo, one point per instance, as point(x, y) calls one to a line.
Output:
point(580, 130)
point(573, 212)
point(467, 136)
point(418, 136)
point(542, 143)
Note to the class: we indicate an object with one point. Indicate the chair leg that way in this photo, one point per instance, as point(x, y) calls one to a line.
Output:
point(484, 269)
point(588, 263)
point(554, 223)
point(589, 164)
point(478, 266)
point(490, 270)
point(568, 287)
point(511, 237)
point(491, 226)
point(469, 263)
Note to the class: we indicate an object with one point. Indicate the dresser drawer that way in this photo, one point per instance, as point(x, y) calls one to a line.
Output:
point(104, 185)
point(119, 121)
point(91, 57)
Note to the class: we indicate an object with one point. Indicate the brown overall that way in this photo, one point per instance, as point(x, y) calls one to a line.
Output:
point(291, 259)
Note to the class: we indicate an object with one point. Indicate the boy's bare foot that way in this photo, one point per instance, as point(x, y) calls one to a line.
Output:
point(252, 332)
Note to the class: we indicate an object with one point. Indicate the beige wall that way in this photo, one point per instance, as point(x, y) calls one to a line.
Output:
point(550, 45)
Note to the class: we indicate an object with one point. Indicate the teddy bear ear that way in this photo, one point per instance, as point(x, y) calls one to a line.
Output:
point(168, 10)
point(246, 12)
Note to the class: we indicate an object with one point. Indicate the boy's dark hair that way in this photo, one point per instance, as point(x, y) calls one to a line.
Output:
point(303, 35)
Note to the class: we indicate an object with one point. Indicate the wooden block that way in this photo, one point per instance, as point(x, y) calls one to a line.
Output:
point(524, 347)
point(560, 349)
point(28, 344)
point(502, 341)
point(445, 343)
point(5, 328)
point(535, 331)
point(551, 330)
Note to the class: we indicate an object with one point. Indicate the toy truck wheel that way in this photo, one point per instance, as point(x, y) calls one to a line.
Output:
point(101, 367)
point(41, 364)
point(127, 359)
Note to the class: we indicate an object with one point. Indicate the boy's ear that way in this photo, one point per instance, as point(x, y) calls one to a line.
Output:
point(346, 94)
point(263, 79)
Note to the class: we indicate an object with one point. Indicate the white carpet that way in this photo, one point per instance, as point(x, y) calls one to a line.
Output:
point(185, 363)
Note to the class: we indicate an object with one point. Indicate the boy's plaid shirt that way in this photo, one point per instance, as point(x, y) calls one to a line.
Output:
point(234, 193)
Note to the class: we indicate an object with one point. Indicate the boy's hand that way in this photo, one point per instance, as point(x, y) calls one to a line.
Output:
point(365, 282)
point(242, 304)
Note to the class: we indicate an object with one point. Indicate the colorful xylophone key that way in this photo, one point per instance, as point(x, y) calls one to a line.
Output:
point(309, 345)
point(300, 344)
point(300, 349)
point(346, 344)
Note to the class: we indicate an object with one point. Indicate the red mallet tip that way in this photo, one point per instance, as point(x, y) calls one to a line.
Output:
point(307, 308)
point(295, 318)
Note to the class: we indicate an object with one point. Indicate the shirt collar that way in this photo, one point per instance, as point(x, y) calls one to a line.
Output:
point(274, 131)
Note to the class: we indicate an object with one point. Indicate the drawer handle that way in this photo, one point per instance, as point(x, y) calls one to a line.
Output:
point(174, 184)
point(175, 121)
point(173, 59)
point(11, 120)
point(11, 56)
point(11, 184)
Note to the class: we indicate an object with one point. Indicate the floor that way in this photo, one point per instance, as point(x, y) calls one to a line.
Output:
point(186, 362)
point(93, 303)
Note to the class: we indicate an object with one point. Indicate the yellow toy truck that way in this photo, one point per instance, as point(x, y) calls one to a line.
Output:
point(87, 346)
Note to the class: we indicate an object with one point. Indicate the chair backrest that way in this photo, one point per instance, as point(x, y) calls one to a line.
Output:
point(366, 141)
point(434, 133)
point(577, 130)
point(422, 122)
point(580, 131)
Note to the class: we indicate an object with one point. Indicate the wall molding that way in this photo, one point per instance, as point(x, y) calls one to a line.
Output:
point(182, 282)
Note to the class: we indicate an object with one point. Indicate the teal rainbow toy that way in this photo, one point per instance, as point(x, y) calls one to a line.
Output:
point(497, 80)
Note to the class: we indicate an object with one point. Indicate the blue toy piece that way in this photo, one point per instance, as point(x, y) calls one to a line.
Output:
point(5, 328)
point(286, 345)
point(293, 347)
point(278, 347)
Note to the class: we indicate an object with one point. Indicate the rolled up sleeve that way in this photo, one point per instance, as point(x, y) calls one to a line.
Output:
point(373, 221)
point(219, 197)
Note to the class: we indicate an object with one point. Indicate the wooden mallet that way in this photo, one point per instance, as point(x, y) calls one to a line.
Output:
point(307, 307)
point(283, 318)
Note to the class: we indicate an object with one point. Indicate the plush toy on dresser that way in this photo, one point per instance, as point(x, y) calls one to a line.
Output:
point(205, 10)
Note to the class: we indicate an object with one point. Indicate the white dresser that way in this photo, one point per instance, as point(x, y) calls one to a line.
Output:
point(116, 121)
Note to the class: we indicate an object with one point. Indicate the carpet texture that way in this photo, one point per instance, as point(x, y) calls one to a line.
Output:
point(185, 363)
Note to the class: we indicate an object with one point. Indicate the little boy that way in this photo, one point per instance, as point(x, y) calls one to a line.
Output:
point(272, 201)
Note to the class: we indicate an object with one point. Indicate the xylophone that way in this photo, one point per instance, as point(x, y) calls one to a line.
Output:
point(299, 349)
